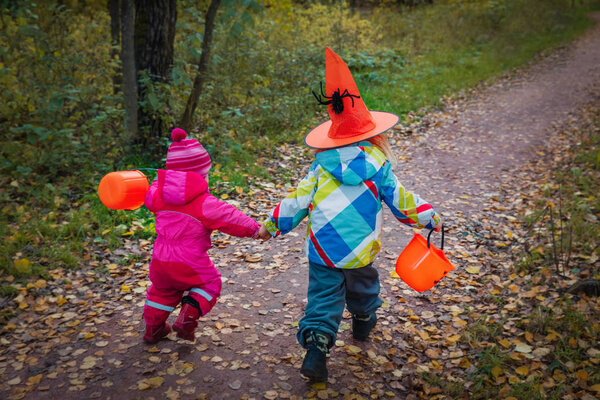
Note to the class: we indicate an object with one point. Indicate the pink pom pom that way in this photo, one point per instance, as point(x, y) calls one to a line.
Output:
point(178, 135)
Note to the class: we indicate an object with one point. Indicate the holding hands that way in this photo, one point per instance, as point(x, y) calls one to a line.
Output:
point(263, 234)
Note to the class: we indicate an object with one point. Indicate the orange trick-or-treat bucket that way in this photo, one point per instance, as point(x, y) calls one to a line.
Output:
point(123, 190)
point(421, 265)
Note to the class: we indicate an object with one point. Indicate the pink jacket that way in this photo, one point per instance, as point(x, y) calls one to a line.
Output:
point(186, 214)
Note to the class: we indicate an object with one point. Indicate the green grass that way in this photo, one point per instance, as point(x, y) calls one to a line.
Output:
point(445, 63)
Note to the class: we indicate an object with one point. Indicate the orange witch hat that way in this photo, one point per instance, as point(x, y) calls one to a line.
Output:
point(350, 120)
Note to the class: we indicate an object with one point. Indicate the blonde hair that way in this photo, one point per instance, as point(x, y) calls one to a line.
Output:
point(379, 141)
point(383, 144)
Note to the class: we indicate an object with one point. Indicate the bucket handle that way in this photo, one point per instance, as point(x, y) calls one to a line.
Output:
point(429, 236)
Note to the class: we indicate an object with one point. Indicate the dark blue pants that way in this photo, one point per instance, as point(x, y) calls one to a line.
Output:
point(330, 289)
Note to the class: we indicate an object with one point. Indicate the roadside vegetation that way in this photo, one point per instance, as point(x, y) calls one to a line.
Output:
point(539, 337)
point(62, 125)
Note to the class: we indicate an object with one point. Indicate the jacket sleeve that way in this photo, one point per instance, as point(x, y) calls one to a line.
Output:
point(149, 196)
point(407, 207)
point(218, 215)
point(294, 208)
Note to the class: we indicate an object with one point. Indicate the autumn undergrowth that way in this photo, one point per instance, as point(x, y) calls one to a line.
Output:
point(551, 351)
point(564, 227)
point(61, 125)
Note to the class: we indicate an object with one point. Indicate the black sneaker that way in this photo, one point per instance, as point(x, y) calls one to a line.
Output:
point(314, 366)
point(362, 326)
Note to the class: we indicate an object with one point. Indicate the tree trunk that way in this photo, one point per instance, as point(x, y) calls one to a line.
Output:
point(154, 37)
point(115, 32)
point(209, 24)
point(129, 75)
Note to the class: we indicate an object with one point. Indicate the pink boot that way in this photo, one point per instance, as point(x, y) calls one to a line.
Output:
point(155, 333)
point(187, 321)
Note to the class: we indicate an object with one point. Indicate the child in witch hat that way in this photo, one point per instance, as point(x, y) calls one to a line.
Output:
point(341, 195)
point(186, 215)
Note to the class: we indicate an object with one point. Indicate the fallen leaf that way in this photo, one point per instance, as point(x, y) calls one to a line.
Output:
point(14, 381)
point(522, 370)
point(497, 371)
point(523, 348)
point(473, 270)
point(582, 375)
point(354, 349)
point(151, 383)
point(34, 380)
point(270, 395)
point(253, 258)
point(22, 266)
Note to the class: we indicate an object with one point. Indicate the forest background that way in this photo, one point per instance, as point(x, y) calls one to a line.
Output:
point(63, 110)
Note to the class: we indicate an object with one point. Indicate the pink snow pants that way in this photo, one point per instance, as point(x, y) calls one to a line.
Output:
point(170, 280)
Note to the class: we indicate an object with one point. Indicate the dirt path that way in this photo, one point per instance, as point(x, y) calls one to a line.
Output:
point(84, 340)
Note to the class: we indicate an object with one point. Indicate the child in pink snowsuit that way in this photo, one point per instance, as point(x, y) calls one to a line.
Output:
point(186, 214)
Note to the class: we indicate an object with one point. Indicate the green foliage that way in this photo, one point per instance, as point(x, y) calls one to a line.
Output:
point(454, 45)
point(55, 78)
point(61, 125)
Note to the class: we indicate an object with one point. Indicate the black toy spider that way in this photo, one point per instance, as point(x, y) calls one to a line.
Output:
point(335, 99)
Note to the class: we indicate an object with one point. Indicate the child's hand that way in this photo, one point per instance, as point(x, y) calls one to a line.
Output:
point(263, 233)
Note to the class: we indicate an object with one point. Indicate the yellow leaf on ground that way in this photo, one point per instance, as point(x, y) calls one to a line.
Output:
point(582, 375)
point(40, 284)
point(504, 343)
point(529, 337)
point(523, 370)
point(22, 265)
point(573, 342)
point(473, 270)
point(464, 363)
point(34, 380)
point(150, 383)
point(125, 289)
point(453, 339)
point(354, 349)
point(61, 300)
point(497, 371)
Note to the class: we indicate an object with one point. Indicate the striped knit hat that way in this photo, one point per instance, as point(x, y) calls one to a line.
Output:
point(187, 154)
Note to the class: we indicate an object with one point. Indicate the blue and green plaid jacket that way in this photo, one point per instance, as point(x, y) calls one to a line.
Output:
point(341, 195)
